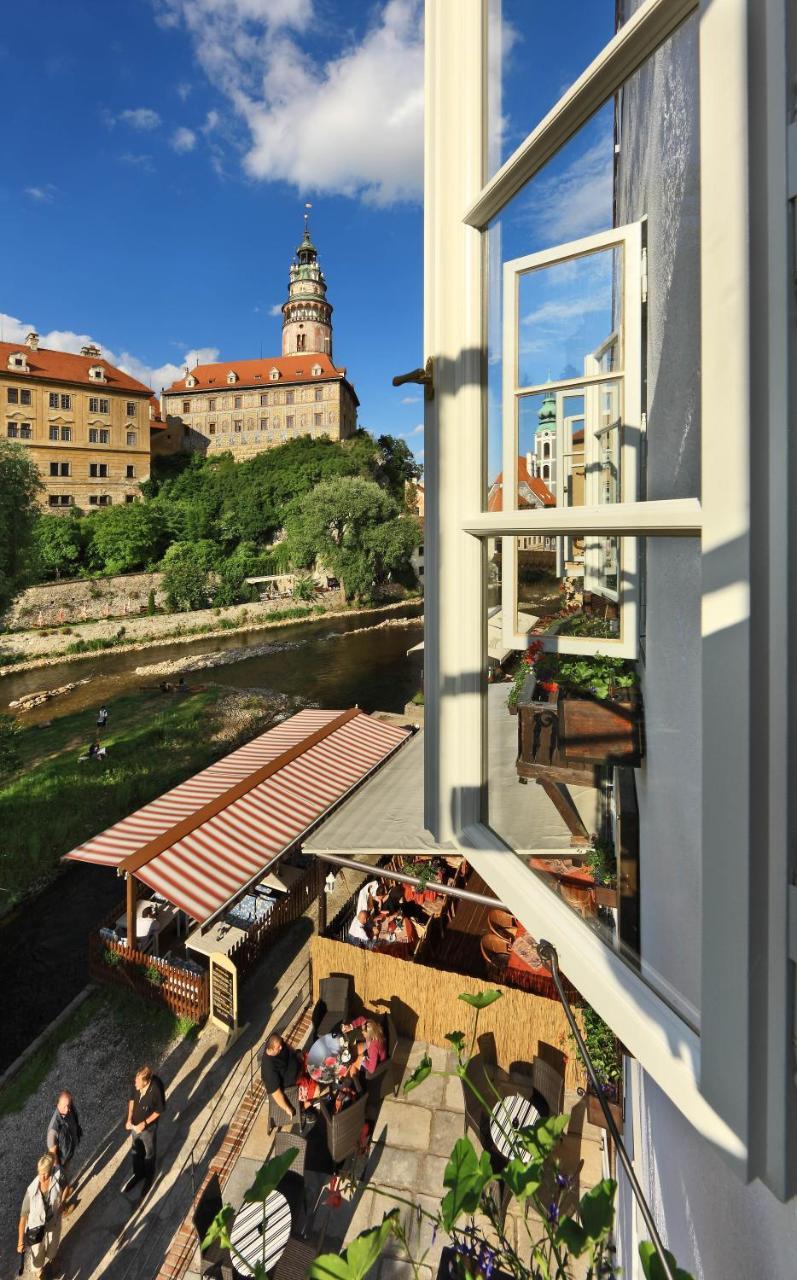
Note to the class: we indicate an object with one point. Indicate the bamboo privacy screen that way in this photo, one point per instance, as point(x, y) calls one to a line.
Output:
point(424, 1004)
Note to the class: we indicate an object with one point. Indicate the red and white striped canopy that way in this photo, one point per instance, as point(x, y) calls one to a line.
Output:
point(204, 868)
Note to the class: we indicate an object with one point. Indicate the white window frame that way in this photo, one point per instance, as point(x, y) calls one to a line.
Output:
point(735, 1081)
point(629, 239)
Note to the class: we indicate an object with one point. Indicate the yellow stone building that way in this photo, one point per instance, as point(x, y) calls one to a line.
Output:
point(246, 406)
point(86, 424)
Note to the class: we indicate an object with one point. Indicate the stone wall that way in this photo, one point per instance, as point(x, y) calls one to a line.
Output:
point(55, 603)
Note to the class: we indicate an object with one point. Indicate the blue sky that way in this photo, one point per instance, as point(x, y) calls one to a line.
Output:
point(155, 175)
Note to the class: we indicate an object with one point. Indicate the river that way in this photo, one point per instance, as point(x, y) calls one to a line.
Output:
point(331, 663)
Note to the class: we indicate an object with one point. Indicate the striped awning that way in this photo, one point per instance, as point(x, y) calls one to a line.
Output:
point(205, 840)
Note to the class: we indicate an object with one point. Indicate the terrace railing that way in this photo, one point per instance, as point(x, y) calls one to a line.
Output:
point(184, 992)
point(290, 907)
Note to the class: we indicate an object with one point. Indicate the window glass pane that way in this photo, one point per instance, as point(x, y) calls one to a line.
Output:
point(535, 53)
point(634, 165)
point(594, 771)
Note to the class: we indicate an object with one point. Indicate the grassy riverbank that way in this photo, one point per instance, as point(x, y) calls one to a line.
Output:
point(153, 742)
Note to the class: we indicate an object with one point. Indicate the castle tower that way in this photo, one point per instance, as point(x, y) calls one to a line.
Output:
point(545, 442)
point(306, 316)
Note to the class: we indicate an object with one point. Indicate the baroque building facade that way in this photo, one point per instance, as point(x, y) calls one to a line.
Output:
point(86, 424)
point(247, 406)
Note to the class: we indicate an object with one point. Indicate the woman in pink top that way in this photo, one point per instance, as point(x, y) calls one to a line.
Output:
point(373, 1050)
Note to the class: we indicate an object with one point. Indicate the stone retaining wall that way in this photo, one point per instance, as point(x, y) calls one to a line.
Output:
point(53, 604)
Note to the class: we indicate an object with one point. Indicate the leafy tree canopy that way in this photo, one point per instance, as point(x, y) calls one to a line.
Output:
point(122, 539)
point(20, 485)
point(58, 544)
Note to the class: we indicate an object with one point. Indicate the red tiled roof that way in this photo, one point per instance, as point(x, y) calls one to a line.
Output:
point(63, 366)
point(156, 421)
point(495, 500)
point(255, 373)
point(578, 436)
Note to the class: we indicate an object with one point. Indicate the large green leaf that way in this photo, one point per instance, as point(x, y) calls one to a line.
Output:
point(521, 1178)
point(329, 1266)
point(481, 999)
point(423, 1069)
point(541, 1138)
point(457, 1038)
point(466, 1176)
point(269, 1175)
point(220, 1228)
point(596, 1209)
point(651, 1263)
point(365, 1249)
point(572, 1236)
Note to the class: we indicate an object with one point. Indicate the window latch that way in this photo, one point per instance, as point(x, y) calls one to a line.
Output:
point(423, 376)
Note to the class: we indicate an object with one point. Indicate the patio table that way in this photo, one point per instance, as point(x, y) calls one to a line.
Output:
point(398, 942)
point(256, 1223)
point(508, 1115)
point(325, 1061)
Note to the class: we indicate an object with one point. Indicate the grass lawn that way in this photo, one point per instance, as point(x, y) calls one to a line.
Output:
point(54, 803)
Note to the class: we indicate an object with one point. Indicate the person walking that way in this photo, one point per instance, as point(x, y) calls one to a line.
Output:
point(102, 717)
point(40, 1218)
point(145, 1106)
point(63, 1136)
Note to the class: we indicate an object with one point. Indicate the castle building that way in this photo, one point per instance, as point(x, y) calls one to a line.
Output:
point(86, 424)
point(247, 406)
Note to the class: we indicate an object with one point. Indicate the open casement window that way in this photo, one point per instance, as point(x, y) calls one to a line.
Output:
point(587, 385)
point(688, 115)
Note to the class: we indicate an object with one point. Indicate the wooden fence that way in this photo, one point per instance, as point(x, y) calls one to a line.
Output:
point(424, 1005)
point(184, 993)
point(290, 907)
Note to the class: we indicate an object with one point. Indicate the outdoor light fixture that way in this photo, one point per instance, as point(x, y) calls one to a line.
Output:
point(329, 883)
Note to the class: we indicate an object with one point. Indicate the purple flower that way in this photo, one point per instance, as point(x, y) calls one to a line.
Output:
point(553, 1213)
point(562, 1180)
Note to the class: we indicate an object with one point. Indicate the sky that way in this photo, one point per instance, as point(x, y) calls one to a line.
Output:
point(161, 153)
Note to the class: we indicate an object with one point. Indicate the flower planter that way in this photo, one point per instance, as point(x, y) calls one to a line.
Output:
point(597, 731)
point(595, 1111)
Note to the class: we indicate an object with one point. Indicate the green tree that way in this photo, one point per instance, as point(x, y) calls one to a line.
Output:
point(20, 485)
point(58, 544)
point(185, 578)
point(397, 466)
point(353, 527)
point(126, 538)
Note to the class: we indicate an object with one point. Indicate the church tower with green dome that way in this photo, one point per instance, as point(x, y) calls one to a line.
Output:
point(306, 316)
point(545, 442)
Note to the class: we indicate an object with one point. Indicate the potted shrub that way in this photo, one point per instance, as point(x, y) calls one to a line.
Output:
point(601, 860)
point(607, 1059)
point(601, 712)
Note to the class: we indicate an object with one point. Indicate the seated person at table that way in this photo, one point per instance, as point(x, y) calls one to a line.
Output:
point(367, 897)
point(280, 1068)
point(372, 1049)
point(390, 898)
point(360, 930)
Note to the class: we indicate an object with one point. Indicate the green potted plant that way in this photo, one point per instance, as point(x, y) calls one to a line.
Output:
point(607, 1059)
point(600, 710)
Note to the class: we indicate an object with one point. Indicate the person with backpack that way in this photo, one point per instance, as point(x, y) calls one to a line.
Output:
point(40, 1219)
point(145, 1106)
point(63, 1135)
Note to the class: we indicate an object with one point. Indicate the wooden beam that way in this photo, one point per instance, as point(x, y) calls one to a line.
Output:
point(167, 838)
point(563, 802)
point(131, 894)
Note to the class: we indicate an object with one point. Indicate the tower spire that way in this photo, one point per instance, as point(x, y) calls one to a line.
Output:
point(306, 316)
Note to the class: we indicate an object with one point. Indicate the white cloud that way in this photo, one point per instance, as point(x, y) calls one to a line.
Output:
point(42, 195)
point(137, 161)
point(183, 91)
point(417, 431)
point(212, 121)
point(578, 200)
point(549, 315)
point(410, 399)
point(352, 125)
point(143, 118)
point(155, 376)
point(183, 139)
point(276, 310)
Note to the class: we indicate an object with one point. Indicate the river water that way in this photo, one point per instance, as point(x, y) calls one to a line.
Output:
point(333, 663)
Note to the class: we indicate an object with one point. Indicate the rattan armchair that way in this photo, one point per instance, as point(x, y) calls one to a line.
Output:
point(502, 924)
point(284, 1141)
point(495, 953)
point(215, 1260)
point(549, 1084)
point(296, 1261)
point(344, 1127)
point(334, 1001)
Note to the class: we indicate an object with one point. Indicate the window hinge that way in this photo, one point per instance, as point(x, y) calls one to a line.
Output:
point(793, 923)
point(644, 274)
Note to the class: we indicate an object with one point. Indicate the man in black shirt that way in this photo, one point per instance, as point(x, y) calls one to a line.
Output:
point(63, 1135)
point(279, 1069)
point(144, 1108)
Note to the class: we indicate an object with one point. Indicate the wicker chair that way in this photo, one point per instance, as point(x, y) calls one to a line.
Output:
point(215, 1260)
point(502, 924)
point(285, 1141)
point(381, 1081)
point(296, 1261)
point(476, 1117)
point(344, 1127)
point(334, 1000)
point(275, 1115)
point(549, 1084)
point(495, 953)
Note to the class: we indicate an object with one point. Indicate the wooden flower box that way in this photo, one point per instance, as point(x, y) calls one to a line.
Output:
point(595, 1111)
point(596, 731)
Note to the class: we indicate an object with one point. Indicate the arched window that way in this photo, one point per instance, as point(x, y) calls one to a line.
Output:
point(546, 471)
point(546, 450)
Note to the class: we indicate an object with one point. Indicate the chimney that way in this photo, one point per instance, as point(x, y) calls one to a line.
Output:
point(32, 340)
point(530, 464)
point(90, 350)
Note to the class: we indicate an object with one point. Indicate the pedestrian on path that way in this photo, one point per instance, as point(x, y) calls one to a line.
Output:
point(145, 1106)
point(63, 1135)
point(40, 1218)
point(102, 717)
